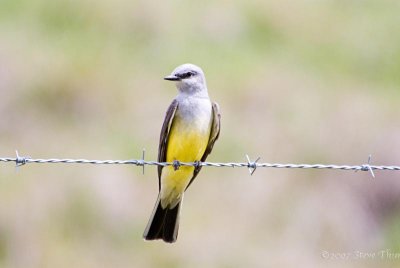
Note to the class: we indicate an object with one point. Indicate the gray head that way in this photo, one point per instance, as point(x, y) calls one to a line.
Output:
point(189, 78)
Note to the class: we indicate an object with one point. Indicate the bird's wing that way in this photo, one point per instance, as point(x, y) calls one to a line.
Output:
point(162, 148)
point(214, 134)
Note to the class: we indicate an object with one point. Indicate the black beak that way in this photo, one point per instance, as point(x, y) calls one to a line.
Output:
point(172, 78)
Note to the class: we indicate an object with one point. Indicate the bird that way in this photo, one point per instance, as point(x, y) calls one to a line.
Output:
point(191, 127)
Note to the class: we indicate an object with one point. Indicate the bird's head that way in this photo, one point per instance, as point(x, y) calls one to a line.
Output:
point(189, 78)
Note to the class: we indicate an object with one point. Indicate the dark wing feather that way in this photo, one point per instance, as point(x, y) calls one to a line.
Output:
point(214, 134)
point(162, 148)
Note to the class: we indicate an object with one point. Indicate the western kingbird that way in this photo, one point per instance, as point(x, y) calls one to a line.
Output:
point(190, 129)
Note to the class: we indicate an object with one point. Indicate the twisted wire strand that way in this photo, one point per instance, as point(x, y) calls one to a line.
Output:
point(251, 165)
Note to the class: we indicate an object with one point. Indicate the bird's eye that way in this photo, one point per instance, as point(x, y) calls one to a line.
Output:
point(186, 75)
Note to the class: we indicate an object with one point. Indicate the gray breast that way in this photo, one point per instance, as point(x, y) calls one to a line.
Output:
point(195, 111)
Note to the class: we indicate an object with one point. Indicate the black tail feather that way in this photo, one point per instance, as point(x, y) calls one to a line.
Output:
point(163, 223)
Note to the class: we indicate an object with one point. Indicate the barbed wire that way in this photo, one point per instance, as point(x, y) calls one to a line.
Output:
point(251, 165)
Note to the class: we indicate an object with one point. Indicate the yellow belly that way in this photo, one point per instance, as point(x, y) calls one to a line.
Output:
point(187, 143)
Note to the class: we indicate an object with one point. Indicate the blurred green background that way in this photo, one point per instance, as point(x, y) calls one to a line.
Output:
point(297, 81)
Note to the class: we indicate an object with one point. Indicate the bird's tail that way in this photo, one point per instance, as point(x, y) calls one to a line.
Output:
point(163, 223)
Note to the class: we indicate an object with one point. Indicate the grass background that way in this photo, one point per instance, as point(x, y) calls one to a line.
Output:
point(303, 81)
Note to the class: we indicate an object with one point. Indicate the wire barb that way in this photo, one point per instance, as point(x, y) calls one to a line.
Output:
point(176, 164)
point(142, 160)
point(197, 164)
point(20, 160)
point(367, 167)
point(252, 166)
